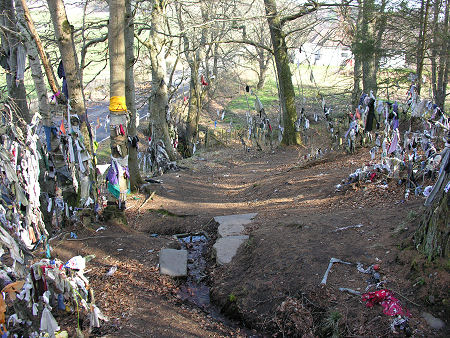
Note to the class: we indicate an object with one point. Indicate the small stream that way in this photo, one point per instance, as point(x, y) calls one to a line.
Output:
point(195, 290)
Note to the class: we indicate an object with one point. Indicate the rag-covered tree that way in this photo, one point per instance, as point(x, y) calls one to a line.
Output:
point(117, 101)
point(433, 235)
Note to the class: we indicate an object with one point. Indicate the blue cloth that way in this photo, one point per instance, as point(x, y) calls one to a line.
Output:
point(65, 90)
point(48, 136)
point(395, 123)
point(61, 304)
point(112, 175)
point(395, 107)
point(362, 98)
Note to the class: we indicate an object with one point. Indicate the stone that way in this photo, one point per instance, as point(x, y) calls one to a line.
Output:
point(434, 322)
point(233, 225)
point(226, 248)
point(225, 230)
point(173, 262)
point(240, 219)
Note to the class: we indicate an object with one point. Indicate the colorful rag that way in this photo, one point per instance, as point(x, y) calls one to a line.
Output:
point(203, 81)
point(391, 305)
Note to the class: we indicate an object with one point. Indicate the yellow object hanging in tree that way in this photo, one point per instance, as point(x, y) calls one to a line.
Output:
point(117, 103)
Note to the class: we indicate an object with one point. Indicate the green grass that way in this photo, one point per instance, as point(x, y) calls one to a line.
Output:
point(268, 95)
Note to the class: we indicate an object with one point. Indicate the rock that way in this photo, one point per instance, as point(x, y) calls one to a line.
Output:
point(173, 262)
point(226, 248)
point(434, 322)
point(230, 235)
point(225, 230)
point(240, 219)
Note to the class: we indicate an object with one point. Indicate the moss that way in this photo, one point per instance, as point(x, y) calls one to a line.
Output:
point(66, 27)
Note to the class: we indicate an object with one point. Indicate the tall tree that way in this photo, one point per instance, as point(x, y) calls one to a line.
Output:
point(40, 49)
point(80, 133)
point(117, 101)
point(159, 100)
point(368, 50)
point(287, 95)
point(194, 51)
point(421, 43)
point(357, 66)
point(13, 52)
point(23, 19)
point(135, 175)
point(433, 234)
point(64, 36)
point(440, 51)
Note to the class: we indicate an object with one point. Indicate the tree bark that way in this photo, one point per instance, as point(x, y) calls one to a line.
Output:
point(433, 235)
point(421, 48)
point(159, 100)
point(357, 67)
point(440, 60)
point(368, 55)
point(263, 62)
point(14, 48)
point(290, 135)
point(135, 176)
point(194, 56)
point(194, 106)
point(64, 37)
point(63, 32)
point(34, 62)
point(117, 104)
point(46, 63)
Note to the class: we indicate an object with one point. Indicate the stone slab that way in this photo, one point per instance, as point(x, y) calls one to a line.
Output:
point(232, 225)
point(434, 322)
point(225, 230)
point(173, 262)
point(226, 248)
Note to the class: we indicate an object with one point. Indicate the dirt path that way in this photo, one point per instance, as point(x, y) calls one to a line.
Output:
point(291, 242)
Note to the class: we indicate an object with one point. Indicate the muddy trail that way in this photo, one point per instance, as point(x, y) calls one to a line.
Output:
point(273, 285)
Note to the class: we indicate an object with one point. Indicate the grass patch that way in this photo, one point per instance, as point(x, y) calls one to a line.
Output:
point(267, 95)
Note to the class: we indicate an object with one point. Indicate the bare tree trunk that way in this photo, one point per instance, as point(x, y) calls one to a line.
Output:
point(194, 107)
point(159, 100)
point(117, 101)
point(194, 55)
point(78, 117)
point(286, 88)
point(135, 176)
point(63, 32)
point(46, 63)
point(433, 235)
point(263, 62)
point(16, 60)
point(357, 67)
point(369, 65)
point(421, 48)
point(35, 64)
point(440, 60)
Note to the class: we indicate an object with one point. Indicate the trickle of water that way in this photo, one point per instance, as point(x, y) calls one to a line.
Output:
point(195, 290)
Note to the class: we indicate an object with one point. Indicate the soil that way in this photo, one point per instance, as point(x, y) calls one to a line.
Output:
point(273, 285)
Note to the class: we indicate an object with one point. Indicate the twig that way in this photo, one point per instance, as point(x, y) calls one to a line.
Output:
point(86, 238)
point(348, 227)
point(398, 293)
point(55, 237)
point(146, 200)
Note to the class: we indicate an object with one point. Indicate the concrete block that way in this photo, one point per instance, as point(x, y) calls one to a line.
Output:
point(173, 262)
point(240, 219)
point(226, 248)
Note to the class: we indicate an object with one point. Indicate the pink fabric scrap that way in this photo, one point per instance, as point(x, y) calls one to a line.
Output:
point(391, 305)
